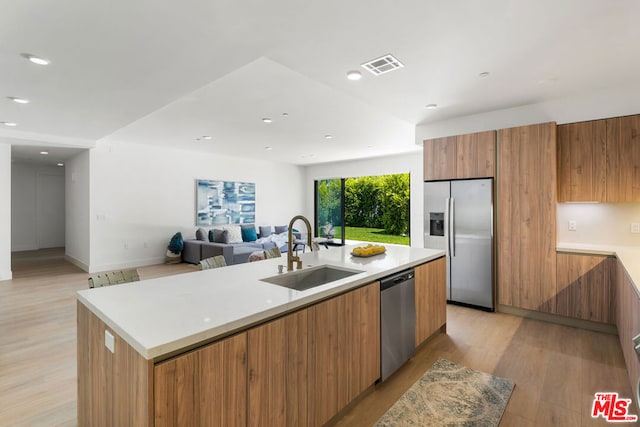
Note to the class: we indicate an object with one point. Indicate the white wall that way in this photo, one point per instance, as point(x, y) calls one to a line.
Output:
point(599, 104)
point(142, 195)
point(5, 212)
point(77, 237)
point(37, 207)
point(599, 223)
point(406, 163)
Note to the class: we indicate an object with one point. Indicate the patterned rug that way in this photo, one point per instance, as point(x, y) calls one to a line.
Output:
point(451, 395)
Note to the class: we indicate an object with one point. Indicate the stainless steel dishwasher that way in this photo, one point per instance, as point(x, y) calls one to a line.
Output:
point(398, 321)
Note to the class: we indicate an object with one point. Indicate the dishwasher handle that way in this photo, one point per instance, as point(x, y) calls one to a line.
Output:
point(395, 280)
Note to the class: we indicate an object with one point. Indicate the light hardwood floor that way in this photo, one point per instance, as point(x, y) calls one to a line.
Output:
point(557, 369)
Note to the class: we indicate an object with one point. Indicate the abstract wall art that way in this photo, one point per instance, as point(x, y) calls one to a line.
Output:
point(225, 202)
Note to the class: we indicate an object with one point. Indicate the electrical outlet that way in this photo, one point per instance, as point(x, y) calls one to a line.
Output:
point(572, 225)
point(126, 245)
point(635, 227)
point(109, 341)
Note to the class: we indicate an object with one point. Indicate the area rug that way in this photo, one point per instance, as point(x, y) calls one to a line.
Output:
point(451, 395)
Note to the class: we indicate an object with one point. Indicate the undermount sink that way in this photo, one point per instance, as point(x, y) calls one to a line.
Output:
point(311, 277)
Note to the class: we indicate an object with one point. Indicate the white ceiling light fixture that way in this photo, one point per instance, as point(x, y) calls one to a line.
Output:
point(382, 65)
point(431, 106)
point(60, 164)
point(267, 120)
point(268, 148)
point(483, 74)
point(354, 75)
point(36, 59)
point(285, 114)
point(207, 137)
point(18, 100)
point(328, 137)
point(10, 124)
point(44, 153)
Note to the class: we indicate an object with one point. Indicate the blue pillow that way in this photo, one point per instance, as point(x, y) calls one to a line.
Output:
point(249, 234)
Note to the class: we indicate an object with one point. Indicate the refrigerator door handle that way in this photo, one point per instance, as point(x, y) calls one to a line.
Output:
point(452, 230)
point(491, 220)
point(447, 202)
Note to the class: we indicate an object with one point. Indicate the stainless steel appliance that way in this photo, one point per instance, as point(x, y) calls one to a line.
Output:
point(459, 219)
point(397, 321)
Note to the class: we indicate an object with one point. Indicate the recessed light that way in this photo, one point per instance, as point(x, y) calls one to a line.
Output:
point(483, 74)
point(10, 124)
point(44, 153)
point(285, 114)
point(354, 75)
point(36, 59)
point(18, 100)
point(267, 120)
point(431, 106)
point(268, 148)
point(328, 137)
point(60, 164)
point(207, 137)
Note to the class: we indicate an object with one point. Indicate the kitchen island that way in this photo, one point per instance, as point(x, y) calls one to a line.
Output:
point(212, 347)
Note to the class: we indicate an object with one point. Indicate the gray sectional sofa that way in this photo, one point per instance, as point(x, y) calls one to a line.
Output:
point(236, 250)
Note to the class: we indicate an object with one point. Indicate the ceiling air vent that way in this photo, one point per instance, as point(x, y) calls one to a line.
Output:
point(382, 65)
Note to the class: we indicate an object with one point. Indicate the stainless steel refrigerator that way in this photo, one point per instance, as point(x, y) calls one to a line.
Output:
point(459, 219)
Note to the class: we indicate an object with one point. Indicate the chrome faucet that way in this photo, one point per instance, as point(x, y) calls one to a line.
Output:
point(290, 257)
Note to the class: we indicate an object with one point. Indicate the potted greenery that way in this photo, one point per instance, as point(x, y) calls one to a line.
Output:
point(329, 231)
point(174, 250)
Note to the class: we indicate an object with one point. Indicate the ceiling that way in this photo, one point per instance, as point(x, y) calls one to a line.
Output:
point(168, 73)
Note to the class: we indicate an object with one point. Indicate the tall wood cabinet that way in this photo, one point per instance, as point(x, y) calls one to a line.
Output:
point(463, 156)
point(585, 287)
point(627, 321)
point(526, 217)
point(582, 159)
point(431, 298)
point(623, 159)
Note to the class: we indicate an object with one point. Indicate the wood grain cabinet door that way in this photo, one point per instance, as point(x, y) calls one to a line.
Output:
point(439, 158)
point(623, 159)
point(526, 193)
point(344, 356)
point(476, 155)
point(585, 287)
point(431, 298)
point(205, 387)
point(627, 321)
point(582, 160)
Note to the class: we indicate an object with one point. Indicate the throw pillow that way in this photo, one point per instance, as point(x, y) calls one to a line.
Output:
point(234, 232)
point(281, 229)
point(265, 231)
point(249, 234)
point(220, 236)
point(201, 235)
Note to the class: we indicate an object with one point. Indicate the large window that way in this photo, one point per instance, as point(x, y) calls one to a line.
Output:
point(369, 208)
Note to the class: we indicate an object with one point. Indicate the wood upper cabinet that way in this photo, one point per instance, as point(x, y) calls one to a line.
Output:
point(344, 352)
point(585, 286)
point(623, 159)
point(526, 216)
point(431, 298)
point(463, 156)
point(204, 387)
point(582, 161)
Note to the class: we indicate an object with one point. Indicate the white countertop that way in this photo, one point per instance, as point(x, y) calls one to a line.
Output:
point(160, 316)
point(629, 256)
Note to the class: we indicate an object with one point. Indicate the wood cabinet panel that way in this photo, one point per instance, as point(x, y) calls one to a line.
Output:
point(113, 388)
point(431, 298)
point(278, 378)
point(623, 159)
point(627, 321)
point(526, 194)
point(476, 155)
point(582, 162)
point(439, 158)
point(344, 349)
point(585, 287)
point(204, 387)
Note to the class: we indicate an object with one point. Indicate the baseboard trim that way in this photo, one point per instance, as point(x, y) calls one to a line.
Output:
point(81, 265)
point(6, 275)
point(561, 320)
point(129, 264)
